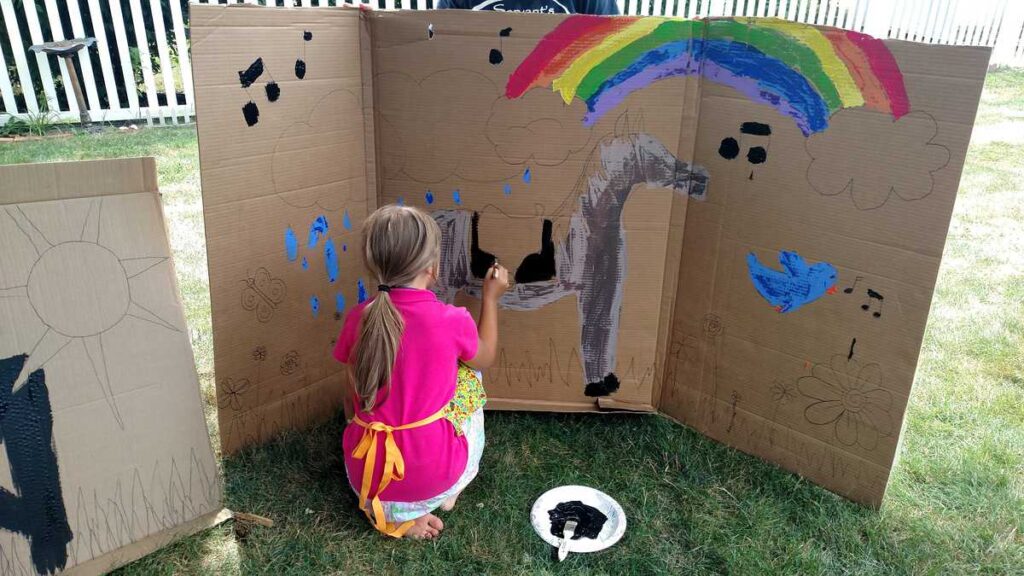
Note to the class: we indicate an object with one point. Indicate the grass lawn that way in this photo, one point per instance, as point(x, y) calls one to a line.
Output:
point(955, 503)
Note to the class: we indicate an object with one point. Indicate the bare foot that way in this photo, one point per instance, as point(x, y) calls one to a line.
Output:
point(425, 527)
point(449, 504)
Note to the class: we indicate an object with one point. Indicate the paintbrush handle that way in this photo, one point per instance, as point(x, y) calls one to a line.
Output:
point(567, 534)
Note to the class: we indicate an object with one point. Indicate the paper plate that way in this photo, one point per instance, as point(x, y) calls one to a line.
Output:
point(613, 528)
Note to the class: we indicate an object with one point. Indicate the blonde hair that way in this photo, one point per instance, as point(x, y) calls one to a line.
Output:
point(399, 242)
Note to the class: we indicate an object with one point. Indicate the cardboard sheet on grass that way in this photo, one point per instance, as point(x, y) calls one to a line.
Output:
point(104, 452)
point(735, 222)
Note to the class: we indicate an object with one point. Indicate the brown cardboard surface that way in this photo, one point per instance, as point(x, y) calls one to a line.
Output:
point(654, 290)
point(821, 390)
point(445, 125)
point(304, 158)
point(105, 444)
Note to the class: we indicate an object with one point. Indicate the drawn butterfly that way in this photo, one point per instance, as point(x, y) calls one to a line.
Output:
point(263, 294)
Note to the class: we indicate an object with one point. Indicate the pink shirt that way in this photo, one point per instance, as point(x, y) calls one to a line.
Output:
point(423, 381)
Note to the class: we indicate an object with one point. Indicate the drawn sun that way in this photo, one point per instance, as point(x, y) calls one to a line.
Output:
point(79, 290)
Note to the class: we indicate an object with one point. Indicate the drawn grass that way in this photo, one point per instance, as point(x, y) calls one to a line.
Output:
point(955, 504)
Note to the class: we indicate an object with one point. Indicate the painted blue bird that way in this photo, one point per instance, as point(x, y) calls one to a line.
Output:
point(797, 284)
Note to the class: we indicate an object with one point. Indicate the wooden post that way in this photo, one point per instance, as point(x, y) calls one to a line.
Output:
point(83, 110)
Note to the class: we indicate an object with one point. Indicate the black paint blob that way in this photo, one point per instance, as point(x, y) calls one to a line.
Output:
point(251, 113)
point(589, 520)
point(36, 508)
point(307, 35)
point(273, 91)
point(539, 266)
point(604, 387)
point(251, 74)
point(729, 149)
point(756, 129)
point(300, 69)
point(505, 32)
point(496, 57)
point(480, 262)
point(757, 155)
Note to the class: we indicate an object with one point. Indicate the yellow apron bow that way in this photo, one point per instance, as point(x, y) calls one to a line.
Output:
point(394, 468)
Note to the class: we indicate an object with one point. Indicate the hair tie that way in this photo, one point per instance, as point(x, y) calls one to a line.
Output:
point(383, 288)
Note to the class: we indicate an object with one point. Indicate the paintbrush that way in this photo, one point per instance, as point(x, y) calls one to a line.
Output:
point(567, 534)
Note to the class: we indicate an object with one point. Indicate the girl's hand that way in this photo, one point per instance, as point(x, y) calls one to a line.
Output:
point(496, 283)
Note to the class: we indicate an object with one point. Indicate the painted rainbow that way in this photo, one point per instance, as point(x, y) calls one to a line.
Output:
point(804, 72)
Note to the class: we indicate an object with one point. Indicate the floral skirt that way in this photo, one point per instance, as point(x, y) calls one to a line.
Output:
point(466, 414)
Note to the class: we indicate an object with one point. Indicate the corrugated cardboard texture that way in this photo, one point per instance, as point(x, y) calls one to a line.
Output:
point(104, 441)
point(450, 142)
point(297, 177)
point(815, 161)
point(820, 390)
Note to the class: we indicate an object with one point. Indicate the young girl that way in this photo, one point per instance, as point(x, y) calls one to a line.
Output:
point(418, 433)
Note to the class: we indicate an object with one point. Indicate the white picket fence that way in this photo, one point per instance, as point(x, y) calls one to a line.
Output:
point(124, 80)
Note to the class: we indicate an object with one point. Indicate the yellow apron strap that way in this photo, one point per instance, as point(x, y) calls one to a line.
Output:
point(394, 468)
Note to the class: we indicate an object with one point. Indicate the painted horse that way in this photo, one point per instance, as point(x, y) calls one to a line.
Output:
point(590, 261)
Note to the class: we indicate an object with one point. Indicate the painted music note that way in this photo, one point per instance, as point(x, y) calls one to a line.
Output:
point(850, 289)
point(300, 62)
point(759, 136)
point(872, 298)
point(496, 57)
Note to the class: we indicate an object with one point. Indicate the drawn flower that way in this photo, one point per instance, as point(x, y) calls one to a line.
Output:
point(290, 363)
point(231, 391)
point(783, 392)
point(848, 397)
point(712, 325)
point(259, 354)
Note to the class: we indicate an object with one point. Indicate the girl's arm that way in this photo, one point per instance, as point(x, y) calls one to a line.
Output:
point(494, 286)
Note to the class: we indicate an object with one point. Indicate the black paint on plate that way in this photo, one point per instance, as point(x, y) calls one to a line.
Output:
point(589, 520)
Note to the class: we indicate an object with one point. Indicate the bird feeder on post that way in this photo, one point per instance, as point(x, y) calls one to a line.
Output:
point(66, 49)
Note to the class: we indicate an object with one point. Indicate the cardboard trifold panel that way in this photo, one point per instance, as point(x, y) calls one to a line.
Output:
point(736, 222)
point(104, 451)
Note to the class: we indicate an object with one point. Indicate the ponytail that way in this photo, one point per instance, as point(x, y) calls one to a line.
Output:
point(379, 335)
point(398, 243)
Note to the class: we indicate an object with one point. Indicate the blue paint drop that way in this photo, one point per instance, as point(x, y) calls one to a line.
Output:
point(527, 176)
point(314, 304)
point(305, 263)
point(401, 201)
point(457, 197)
point(291, 244)
point(362, 291)
point(331, 260)
point(346, 221)
point(344, 247)
point(429, 196)
point(508, 190)
point(339, 302)
point(317, 229)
